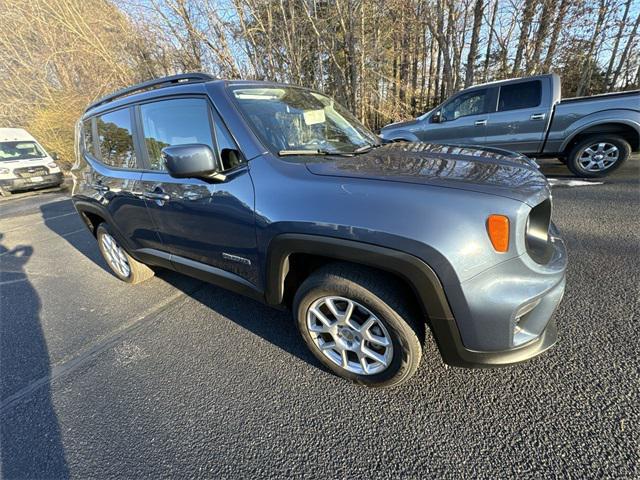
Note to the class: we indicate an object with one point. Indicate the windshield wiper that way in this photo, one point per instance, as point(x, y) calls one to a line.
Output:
point(284, 153)
point(366, 148)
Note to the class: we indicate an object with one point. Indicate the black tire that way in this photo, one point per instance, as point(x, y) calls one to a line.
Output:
point(383, 296)
point(573, 160)
point(138, 272)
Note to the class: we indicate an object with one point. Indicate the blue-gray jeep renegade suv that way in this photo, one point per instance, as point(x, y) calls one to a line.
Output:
point(280, 194)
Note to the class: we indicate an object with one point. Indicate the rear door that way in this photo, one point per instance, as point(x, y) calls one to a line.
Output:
point(208, 222)
point(521, 117)
point(114, 179)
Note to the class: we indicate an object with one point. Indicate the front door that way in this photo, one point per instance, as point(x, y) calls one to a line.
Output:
point(462, 120)
point(208, 222)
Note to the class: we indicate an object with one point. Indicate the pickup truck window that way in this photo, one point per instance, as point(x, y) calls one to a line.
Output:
point(520, 95)
point(471, 103)
point(174, 122)
point(116, 140)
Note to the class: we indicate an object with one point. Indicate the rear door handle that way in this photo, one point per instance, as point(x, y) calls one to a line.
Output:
point(480, 123)
point(191, 195)
point(156, 196)
point(537, 116)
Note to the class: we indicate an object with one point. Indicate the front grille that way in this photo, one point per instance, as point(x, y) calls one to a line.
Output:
point(28, 172)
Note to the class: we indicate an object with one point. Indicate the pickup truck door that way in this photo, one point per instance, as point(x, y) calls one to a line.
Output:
point(461, 120)
point(211, 223)
point(520, 120)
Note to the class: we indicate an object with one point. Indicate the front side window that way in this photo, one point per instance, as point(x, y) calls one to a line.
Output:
point(174, 122)
point(471, 103)
point(295, 119)
point(20, 151)
point(116, 140)
point(520, 95)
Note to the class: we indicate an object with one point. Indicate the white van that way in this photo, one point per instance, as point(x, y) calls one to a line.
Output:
point(24, 164)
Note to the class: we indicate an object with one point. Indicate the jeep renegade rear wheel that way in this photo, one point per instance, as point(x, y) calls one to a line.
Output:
point(123, 265)
point(356, 321)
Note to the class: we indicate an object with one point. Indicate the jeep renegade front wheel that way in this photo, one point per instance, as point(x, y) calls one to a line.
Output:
point(358, 323)
point(123, 265)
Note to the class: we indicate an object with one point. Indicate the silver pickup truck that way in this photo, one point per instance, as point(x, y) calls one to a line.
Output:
point(592, 135)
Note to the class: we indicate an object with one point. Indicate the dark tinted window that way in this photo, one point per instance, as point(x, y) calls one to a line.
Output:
point(87, 136)
point(520, 95)
point(471, 103)
point(115, 139)
point(174, 122)
point(227, 147)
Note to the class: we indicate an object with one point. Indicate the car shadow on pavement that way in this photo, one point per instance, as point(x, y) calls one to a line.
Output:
point(56, 216)
point(274, 326)
point(30, 440)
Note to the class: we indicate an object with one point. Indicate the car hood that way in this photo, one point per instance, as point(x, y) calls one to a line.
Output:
point(485, 170)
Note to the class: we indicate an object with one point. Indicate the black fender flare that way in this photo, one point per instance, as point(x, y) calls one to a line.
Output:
point(85, 206)
point(420, 276)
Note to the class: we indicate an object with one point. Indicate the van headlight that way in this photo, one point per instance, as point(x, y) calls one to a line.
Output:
point(5, 171)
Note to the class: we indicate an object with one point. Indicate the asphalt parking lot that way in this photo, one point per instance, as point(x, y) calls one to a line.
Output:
point(178, 378)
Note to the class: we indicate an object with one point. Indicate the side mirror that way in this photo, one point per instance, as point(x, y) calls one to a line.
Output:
point(436, 117)
point(54, 156)
point(193, 160)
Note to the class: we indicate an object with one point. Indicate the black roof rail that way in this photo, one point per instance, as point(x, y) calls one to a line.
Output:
point(153, 84)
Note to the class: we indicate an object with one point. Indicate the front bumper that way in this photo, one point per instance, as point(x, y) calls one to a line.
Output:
point(505, 314)
point(14, 184)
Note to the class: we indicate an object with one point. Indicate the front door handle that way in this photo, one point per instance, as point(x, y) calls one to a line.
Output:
point(537, 116)
point(481, 123)
point(156, 196)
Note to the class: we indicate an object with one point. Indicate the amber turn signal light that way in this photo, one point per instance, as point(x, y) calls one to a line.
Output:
point(498, 230)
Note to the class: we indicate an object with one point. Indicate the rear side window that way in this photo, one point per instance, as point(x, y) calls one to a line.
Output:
point(520, 95)
point(174, 122)
point(116, 140)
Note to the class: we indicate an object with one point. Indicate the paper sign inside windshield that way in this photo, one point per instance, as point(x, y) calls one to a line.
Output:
point(312, 117)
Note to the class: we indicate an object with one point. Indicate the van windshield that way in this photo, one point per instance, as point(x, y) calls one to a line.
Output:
point(20, 151)
point(290, 119)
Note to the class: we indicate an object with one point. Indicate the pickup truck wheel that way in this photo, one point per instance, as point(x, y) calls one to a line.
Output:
point(598, 156)
point(123, 265)
point(356, 321)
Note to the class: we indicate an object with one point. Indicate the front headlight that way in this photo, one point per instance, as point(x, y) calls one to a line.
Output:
point(5, 171)
point(52, 165)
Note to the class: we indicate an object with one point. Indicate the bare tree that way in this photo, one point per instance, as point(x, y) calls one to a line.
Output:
point(527, 18)
point(478, 13)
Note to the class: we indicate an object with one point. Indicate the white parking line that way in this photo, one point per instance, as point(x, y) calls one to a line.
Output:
point(570, 182)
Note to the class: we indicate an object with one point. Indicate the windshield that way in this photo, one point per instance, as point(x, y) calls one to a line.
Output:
point(295, 119)
point(20, 151)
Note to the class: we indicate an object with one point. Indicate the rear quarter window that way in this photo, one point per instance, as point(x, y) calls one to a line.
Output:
point(115, 139)
point(520, 95)
point(87, 136)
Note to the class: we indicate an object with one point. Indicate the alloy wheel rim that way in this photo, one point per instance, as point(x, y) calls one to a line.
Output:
point(599, 156)
point(350, 335)
point(115, 255)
